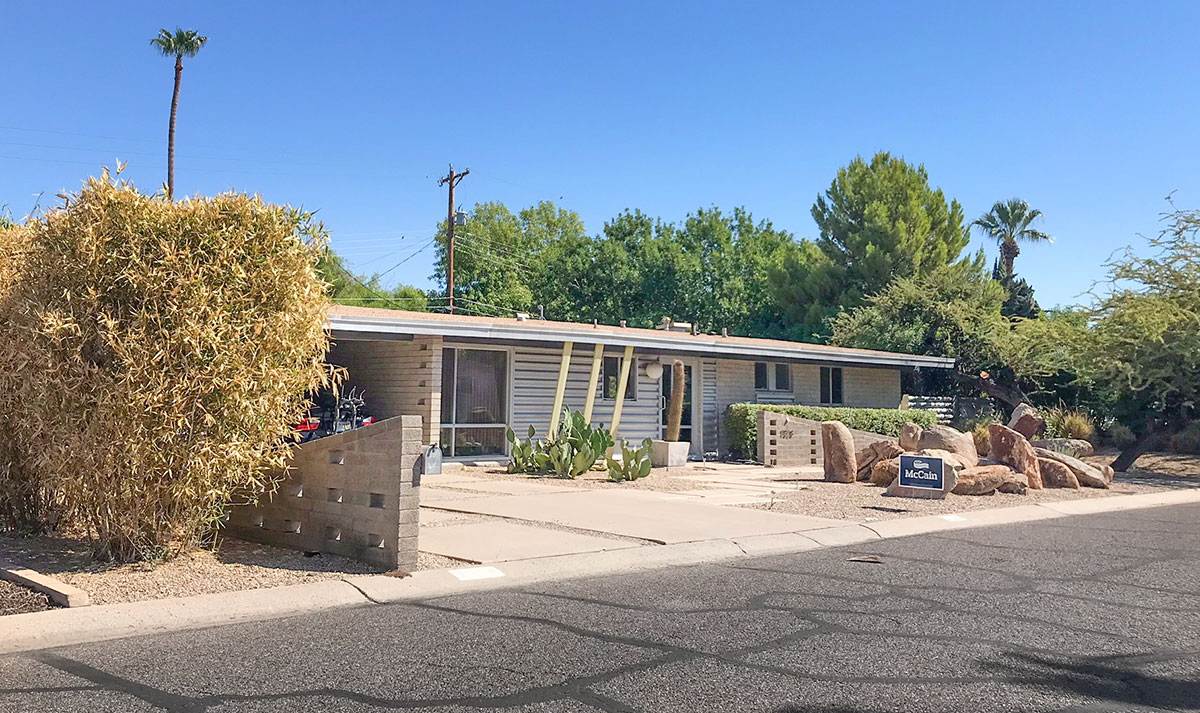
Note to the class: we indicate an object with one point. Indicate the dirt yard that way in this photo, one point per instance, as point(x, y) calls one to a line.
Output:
point(807, 493)
point(15, 599)
point(234, 565)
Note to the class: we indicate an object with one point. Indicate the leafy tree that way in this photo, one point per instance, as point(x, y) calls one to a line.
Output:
point(1020, 301)
point(491, 262)
point(183, 43)
point(347, 288)
point(952, 311)
point(1009, 223)
point(1139, 347)
point(878, 221)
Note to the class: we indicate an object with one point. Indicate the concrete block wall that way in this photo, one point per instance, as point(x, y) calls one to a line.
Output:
point(398, 376)
point(353, 494)
point(787, 441)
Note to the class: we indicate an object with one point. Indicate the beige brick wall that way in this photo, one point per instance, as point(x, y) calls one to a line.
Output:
point(399, 377)
point(787, 441)
point(354, 494)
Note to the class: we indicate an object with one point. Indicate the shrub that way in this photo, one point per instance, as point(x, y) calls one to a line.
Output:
point(1187, 440)
point(741, 422)
point(154, 357)
point(982, 436)
point(1062, 422)
point(635, 462)
point(575, 449)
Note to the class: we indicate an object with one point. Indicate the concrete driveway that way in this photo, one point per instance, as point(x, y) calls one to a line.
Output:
point(477, 519)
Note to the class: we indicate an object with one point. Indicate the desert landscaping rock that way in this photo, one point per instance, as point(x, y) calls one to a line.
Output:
point(1027, 421)
point(1087, 475)
point(874, 453)
point(885, 471)
point(1076, 447)
point(945, 438)
point(1011, 448)
point(838, 447)
point(910, 436)
point(1056, 474)
point(987, 479)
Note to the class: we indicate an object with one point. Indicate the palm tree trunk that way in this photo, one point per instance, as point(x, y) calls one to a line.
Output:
point(171, 131)
point(1009, 251)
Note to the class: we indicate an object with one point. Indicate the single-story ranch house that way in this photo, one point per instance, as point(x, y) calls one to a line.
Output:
point(469, 377)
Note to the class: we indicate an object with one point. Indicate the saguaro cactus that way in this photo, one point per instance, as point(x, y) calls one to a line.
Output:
point(675, 407)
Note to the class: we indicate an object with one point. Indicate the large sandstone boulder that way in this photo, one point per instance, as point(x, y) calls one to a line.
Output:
point(910, 436)
point(948, 439)
point(885, 471)
point(949, 460)
point(872, 454)
point(1076, 447)
point(1087, 475)
point(987, 479)
point(1057, 475)
point(1027, 421)
point(837, 446)
point(1012, 449)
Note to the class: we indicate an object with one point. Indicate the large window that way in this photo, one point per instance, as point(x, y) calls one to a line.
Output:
point(772, 376)
point(474, 401)
point(612, 376)
point(760, 376)
point(831, 385)
point(783, 377)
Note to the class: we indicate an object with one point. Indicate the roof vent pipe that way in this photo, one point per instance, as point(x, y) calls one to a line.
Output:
point(724, 331)
point(623, 324)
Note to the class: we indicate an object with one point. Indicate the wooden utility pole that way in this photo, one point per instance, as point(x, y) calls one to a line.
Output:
point(452, 180)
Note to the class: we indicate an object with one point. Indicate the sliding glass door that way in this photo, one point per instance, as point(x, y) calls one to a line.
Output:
point(474, 401)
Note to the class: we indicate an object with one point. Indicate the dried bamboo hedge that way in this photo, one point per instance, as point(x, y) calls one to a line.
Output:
point(153, 358)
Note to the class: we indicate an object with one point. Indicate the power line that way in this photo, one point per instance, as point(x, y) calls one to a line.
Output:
point(410, 257)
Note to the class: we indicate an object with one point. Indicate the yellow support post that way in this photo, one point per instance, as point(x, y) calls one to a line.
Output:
point(622, 382)
point(597, 360)
point(561, 389)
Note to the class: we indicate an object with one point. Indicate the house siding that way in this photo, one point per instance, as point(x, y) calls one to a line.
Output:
point(861, 388)
point(398, 378)
point(535, 376)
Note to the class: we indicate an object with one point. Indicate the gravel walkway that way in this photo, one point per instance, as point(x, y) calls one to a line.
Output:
point(15, 599)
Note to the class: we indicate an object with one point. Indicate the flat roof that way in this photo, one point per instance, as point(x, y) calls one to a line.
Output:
point(373, 322)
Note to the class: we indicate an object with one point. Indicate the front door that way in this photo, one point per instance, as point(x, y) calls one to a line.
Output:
point(686, 429)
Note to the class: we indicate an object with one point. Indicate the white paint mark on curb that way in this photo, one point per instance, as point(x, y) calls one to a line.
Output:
point(954, 518)
point(473, 573)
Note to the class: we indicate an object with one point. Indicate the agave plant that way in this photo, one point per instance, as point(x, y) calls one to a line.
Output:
point(634, 463)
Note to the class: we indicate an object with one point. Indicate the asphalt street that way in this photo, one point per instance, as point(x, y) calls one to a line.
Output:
point(1090, 613)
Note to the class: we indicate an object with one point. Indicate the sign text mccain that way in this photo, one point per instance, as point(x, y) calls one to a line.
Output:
point(921, 472)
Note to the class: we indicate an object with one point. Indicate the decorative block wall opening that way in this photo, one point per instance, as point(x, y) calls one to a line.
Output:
point(291, 527)
point(375, 541)
point(337, 457)
point(333, 534)
point(377, 500)
point(294, 490)
point(333, 495)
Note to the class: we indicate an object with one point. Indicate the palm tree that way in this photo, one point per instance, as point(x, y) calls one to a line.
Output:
point(1008, 223)
point(184, 43)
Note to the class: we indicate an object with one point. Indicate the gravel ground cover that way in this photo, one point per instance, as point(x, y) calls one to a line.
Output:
point(806, 492)
point(15, 599)
point(665, 480)
point(234, 565)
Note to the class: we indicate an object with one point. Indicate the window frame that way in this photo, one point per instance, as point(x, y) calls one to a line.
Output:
point(630, 388)
point(453, 426)
point(770, 374)
point(827, 384)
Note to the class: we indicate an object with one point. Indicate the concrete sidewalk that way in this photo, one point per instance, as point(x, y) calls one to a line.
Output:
point(22, 632)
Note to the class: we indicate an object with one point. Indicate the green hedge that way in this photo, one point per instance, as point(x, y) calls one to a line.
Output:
point(741, 421)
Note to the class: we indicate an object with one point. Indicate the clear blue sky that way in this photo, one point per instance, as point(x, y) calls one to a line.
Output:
point(1087, 110)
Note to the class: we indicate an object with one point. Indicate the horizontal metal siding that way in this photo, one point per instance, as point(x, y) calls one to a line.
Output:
point(535, 376)
point(708, 405)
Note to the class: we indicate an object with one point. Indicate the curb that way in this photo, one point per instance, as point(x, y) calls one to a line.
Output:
point(61, 627)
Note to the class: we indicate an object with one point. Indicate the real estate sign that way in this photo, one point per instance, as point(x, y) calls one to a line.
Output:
point(921, 472)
